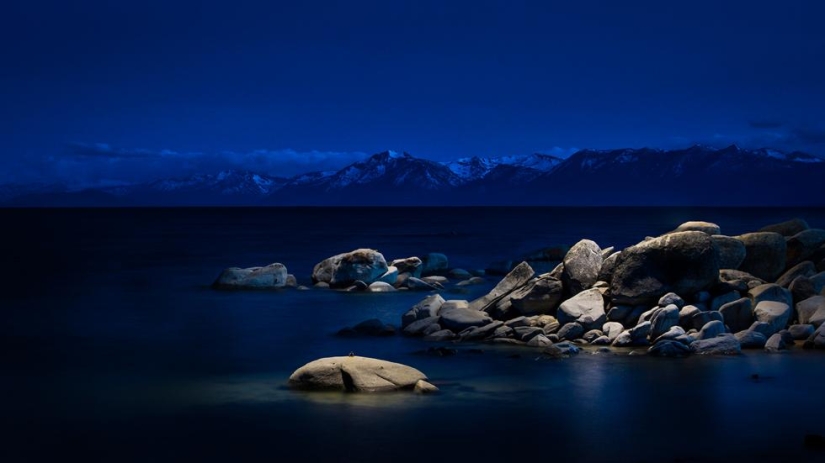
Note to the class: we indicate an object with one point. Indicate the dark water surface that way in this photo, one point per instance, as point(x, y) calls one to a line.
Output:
point(115, 348)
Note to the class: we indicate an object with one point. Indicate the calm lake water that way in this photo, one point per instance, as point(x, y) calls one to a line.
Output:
point(114, 348)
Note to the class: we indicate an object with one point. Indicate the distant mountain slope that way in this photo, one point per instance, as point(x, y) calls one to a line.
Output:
point(693, 176)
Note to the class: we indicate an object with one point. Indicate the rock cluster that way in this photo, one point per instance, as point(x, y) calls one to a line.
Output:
point(689, 291)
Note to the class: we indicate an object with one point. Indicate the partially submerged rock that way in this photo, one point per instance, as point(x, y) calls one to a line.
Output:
point(355, 374)
point(269, 277)
point(342, 270)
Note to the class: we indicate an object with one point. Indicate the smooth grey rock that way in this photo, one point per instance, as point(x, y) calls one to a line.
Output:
point(685, 339)
point(608, 266)
point(731, 251)
point(435, 280)
point(801, 288)
point(749, 339)
point(683, 262)
point(582, 264)
point(429, 307)
point(761, 327)
point(455, 304)
point(291, 281)
point(788, 228)
point(517, 278)
point(418, 327)
point(503, 332)
point(707, 228)
point(673, 333)
point(518, 321)
point(633, 318)
point(411, 265)
point(803, 245)
point(703, 297)
point(724, 344)
point(672, 298)
point(612, 330)
point(803, 269)
point(592, 334)
point(390, 276)
point(801, 332)
point(775, 314)
point(458, 318)
point(480, 332)
point(664, 320)
point(601, 341)
point(539, 340)
point(624, 339)
point(417, 284)
point(343, 270)
point(711, 330)
point(434, 263)
point(640, 333)
point(361, 374)
point(459, 274)
point(738, 315)
point(472, 281)
point(669, 348)
point(269, 277)
point(549, 323)
point(816, 340)
point(775, 343)
point(686, 316)
point(381, 287)
point(433, 328)
point(540, 296)
point(423, 387)
point(730, 275)
point(570, 331)
point(764, 254)
point(811, 310)
point(701, 319)
point(371, 327)
point(770, 292)
point(440, 335)
point(586, 308)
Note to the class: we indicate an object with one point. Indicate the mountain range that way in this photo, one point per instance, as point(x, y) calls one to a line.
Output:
point(697, 175)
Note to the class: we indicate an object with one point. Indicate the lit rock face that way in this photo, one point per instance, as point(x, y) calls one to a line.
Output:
point(342, 270)
point(681, 262)
point(355, 374)
point(271, 276)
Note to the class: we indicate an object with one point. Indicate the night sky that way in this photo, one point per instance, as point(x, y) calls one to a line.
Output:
point(105, 92)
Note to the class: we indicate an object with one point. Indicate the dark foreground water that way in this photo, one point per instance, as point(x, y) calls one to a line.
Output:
point(115, 349)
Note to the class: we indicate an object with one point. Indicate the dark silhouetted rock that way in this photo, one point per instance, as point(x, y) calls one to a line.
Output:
point(683, 262)
point(700, 319)
point(738, 314)
point(765, 254)
point(664, 320)
point(608, 266)
point(731, 251)
point(669, 348)
point(801, 332)
point(440, 335)
point(434, 263)
point(570, 331)
point(803, 245)
point(671, 298)
point(419, 327)
point(816, 340)
point(789, 228)
point(802, 288)
point(723, 299)
point(803, 269)
point(581, 266)
point(371, 327)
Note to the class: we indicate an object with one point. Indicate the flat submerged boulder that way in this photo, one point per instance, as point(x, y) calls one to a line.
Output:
point(355, 374)
point(272, 276)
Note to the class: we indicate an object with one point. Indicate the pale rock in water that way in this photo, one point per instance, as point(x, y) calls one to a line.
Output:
point(355, 374)
point(272, 276)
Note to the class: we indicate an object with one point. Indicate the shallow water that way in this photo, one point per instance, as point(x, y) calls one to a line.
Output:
point(115, 348)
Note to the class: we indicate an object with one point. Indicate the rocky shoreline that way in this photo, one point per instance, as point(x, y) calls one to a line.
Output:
point(689, 291)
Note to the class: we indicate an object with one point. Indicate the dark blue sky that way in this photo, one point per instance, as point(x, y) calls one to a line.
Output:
point(106, 92)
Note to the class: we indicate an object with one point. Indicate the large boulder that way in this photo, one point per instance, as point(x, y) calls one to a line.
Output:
point(770, 292)
point(517, 278)
point(738, 314)
point(609, 266)
point(271, 276)
point(355, 374)
point(731, 251)
point(585, 308)
point(724, 344)
point(788, 228)
point(540, 296)
point(805, 269)
point(775, 314)
point(803, 245)
point(459, 318)
point(582, 264)
point(342, 270)
point(696, 225)
point(434, 263)
point(682, 262)
point(811, 311)
point(764, 254)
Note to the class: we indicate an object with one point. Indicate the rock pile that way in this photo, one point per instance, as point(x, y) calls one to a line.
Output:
point(692, 290)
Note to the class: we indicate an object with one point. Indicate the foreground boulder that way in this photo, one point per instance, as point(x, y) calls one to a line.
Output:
point(271, 276)
point(585, 308)
point(355, 374)
point(343, 270)
point(681, 262)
